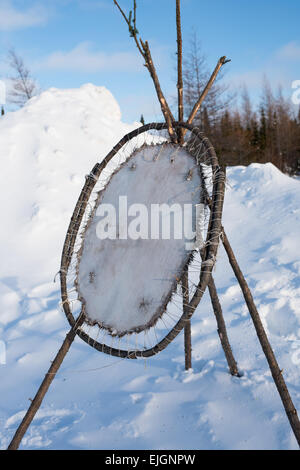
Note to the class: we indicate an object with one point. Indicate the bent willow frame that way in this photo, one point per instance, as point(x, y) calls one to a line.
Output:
point(208, 260)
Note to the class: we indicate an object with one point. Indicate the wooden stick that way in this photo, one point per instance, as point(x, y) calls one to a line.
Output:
point(222, 61)
point(286, 399)
point(187, 326)
point(179, 71)
point(144, 50)
point(216, 305)
point(264, 342)
point(37, 401)
point(222, 332)
point(185, 279)
point(163, 103)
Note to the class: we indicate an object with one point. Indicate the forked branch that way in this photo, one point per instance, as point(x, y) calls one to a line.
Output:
point(131, 22)
point(144, 50)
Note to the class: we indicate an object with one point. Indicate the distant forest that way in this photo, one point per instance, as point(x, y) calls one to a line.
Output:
point(243, 134)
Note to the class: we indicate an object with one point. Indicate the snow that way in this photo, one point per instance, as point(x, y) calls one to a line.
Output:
point(48, 147)
point(126, 281)
point(100, 402)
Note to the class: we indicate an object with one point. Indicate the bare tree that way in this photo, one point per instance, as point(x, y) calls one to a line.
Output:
point(23, 85)
point(199, 85)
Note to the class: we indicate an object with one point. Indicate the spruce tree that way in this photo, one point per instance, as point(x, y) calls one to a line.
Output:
point(262, 130)
point(206, 122)
point(255, 135)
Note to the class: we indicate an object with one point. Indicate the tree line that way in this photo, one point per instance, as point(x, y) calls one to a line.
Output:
point(244, 134)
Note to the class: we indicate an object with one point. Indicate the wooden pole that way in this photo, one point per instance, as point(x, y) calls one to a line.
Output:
point(222, 61)
point(208, 86)
point(144, 50)
point(264, 342)
point(37, 401)
point(222, 332)
point(179, 72)
point(187, 325)
point(276, 372)
point(163, 102)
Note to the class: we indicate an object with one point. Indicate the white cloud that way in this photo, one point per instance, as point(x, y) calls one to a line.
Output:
point(12, 18)
point(83, 58)
point(280, 67)
point(290, 51)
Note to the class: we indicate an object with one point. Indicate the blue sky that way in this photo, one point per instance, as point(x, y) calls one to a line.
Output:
point(70, 42)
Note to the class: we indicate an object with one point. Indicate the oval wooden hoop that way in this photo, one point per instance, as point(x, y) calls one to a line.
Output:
point(212, 239)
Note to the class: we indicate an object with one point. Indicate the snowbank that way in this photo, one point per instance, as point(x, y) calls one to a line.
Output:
point(46, 150)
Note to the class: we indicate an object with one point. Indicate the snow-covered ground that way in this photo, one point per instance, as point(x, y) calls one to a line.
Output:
point(96, 401)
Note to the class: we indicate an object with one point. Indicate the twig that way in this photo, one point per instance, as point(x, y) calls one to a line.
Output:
point(132, 29)
point(144, 50)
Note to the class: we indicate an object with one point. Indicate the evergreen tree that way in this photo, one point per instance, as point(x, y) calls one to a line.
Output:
point(246, 109)
point(255, 134)
point(274, 140)
point(206, 122)
point(226, 127)
point(262, 130)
